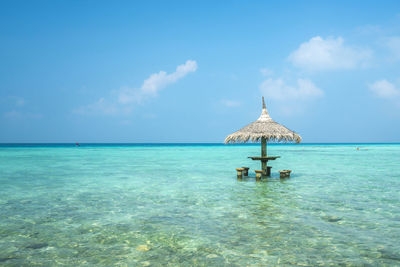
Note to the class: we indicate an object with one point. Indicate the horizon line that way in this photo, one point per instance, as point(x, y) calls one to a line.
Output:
point(183, 143)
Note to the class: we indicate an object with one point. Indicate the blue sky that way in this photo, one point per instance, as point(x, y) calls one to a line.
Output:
point(195, 71)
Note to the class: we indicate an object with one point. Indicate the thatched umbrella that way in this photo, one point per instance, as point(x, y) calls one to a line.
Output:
point(264, 129)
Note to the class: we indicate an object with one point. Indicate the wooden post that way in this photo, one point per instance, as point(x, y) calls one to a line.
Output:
point(264, 154)
point(269, 170)
point(245, 171)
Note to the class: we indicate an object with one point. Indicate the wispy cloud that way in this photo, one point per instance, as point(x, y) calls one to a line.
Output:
point(18, 110)
point(126, 97)
point(101, 106)
point(19, 101)
point(384, 89)
point(17, 115)
point(329, 54)
point(230, 103)
point(266, 72)
point(15, 101)
point(156, 82)
point(369, 30)
point(393, 43)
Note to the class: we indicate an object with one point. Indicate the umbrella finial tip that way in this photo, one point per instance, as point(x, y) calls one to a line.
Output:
point(263, 102)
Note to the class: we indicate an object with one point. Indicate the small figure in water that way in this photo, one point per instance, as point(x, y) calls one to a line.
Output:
point(77, 144)
point(358, 148)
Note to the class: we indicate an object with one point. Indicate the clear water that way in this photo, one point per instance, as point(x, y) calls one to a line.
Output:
point(181, 205)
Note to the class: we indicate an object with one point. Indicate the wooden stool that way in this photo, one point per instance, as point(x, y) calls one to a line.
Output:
point(285, 173)
point(239, 173)
point(245, 171)
point(259, 174)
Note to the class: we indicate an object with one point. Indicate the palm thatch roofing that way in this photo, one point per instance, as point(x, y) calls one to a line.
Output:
point(263, 127)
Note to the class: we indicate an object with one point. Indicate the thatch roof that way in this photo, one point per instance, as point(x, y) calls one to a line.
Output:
point(263, 127)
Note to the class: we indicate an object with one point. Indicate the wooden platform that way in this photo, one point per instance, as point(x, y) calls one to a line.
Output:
point(264, 158)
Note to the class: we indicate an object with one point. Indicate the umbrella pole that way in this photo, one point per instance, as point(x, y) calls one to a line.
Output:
point(264, 154)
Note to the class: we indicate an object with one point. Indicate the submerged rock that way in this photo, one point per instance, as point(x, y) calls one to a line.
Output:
point(389, 254)
point(143, 248)
point(332, 218)
point(6, 259)
point(37, 246)
point(211, 256)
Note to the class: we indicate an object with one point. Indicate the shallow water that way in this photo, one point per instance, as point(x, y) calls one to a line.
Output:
point(181, 205)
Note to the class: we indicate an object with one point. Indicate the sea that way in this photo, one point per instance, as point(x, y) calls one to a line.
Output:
point(182, 205)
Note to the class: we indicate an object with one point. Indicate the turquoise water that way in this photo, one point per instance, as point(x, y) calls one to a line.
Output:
point(181, 205)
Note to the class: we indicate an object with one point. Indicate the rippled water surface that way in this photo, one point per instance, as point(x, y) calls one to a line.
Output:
point(181, 205)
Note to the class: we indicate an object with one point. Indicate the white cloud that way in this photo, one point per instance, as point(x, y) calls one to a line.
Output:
point(126, 97)
point(266, 72)
point(384, 89)
point(329, 54)
point(230, 103)
point(157, 81)
point(278, 89)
